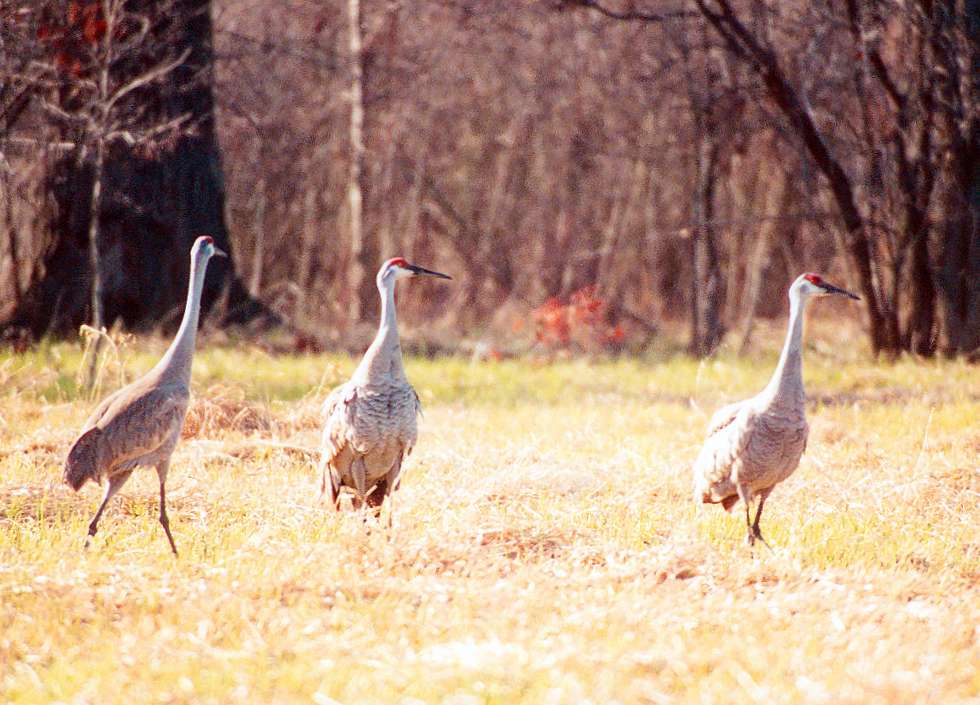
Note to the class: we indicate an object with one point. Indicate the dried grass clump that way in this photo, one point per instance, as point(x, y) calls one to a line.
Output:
point(222, 409)
point(34, 502)
point(527, 544)
point(303, 416)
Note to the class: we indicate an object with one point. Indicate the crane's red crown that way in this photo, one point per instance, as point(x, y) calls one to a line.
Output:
point(397, 262)
point(208, 239)
point(813, 279)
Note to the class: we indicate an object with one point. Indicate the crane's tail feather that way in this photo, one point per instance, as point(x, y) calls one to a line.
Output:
point(82, 462)
point(726, 502)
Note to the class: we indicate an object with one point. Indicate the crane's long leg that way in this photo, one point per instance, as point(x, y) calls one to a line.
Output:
point(745, 495)
point(323, 479)
point(115, 483)
point(362, 497)
point(756, 531)
point(162, 469)
point(359, 473)
point(334, 487)
point(392, 480)
point(390, 493)
point(376, 496)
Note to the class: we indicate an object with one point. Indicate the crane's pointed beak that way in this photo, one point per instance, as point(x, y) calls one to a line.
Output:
point(422, 271)
point(836, 290)
point(218, 252)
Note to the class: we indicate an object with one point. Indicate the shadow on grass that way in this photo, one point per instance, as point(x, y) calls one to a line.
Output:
point(889, 396)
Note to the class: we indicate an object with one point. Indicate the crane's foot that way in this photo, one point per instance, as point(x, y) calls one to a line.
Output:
point(363, 510)
point(93, 529)
point(374, 501)
point(165, 523)
point(754, 534)
point(329, 494)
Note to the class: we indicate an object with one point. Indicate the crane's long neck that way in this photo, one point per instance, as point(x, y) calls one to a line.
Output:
point(786, 385)
point(384, 358)
point(176, 362)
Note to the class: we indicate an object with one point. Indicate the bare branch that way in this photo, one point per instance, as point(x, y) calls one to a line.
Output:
point(57, 113)
point(31, 145)
point(877, 64)
point(629, 14)
point(131, 137)
point(143, 79)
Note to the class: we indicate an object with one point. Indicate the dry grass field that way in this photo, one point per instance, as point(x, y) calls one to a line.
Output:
point(545, 546)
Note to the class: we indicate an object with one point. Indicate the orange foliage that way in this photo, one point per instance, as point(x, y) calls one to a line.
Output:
point(579, 324)
point(94, 29)
point(83, 26)
point(551, 323)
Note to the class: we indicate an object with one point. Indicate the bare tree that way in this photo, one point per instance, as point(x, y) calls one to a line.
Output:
point(886, 229)
point(361, 251)
point(127, 85)
point(93, 106)
point(954, 48)
point(364, 51)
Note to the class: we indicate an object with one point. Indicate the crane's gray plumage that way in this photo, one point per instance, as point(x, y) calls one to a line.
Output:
point(755, 444)
point(370, 423)
point(140, 424)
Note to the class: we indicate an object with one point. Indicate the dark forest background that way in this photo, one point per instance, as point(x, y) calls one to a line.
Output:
point(613, 164)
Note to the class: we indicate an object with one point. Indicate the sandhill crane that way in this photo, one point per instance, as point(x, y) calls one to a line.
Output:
point(140, 424)
point(755, 444)
point(370, 422)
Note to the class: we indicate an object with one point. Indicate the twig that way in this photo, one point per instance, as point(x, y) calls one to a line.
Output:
point(261, 444)
point(93, 334)
point(631, 13)
point(148, 77)
point(925, 439)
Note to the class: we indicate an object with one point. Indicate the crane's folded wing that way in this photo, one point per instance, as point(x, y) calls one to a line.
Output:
point(725, 446)
point(723, 417)
point(339, 411)
point(141, 421)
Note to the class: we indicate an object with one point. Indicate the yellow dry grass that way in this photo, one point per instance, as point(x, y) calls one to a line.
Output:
point(545, 548)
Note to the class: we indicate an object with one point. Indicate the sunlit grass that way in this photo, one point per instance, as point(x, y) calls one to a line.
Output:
point(546, 548)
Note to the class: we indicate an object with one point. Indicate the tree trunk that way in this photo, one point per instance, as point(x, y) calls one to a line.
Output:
point(959, 276)
point(706, 328)
point(922, 321)
point(363, 250)
point(95, 261)
point(776, 200)
point(258, 225)
point(13, 248)
point(746, 46)
point(153, 206)
point(310, 228)
point(97, 319)
point(960, 266)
